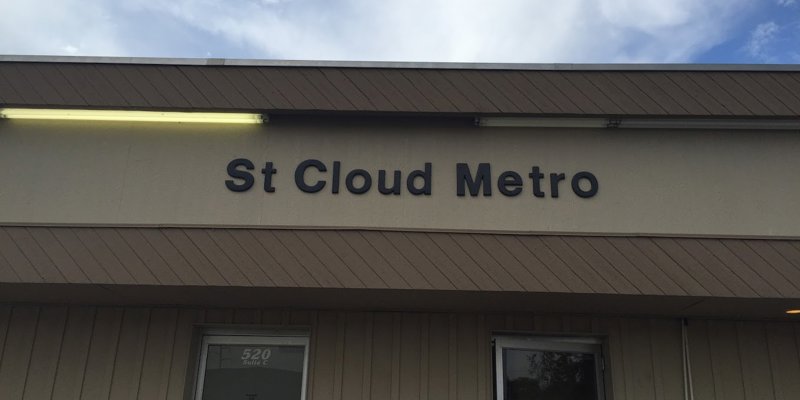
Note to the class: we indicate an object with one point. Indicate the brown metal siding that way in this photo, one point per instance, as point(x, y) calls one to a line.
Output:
point(401, 260)
point(405, 90)
point(83, 352)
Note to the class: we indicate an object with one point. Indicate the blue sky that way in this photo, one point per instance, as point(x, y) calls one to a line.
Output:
point(537, 31)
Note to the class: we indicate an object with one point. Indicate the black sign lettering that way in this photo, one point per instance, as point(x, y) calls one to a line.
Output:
point(358, 181)
point(593, 185)
point(300, 173)
point(235, 172)
point(509, 183)
point(395, 189)
point(268, 171)
point(425, 175)
point(554, 180)
point(366, 181)
point(537, 177)
point(482, 176)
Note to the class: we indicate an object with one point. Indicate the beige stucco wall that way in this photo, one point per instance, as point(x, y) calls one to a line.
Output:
point(651, 182)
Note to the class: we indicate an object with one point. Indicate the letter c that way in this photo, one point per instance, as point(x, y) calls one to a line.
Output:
point(300, 172)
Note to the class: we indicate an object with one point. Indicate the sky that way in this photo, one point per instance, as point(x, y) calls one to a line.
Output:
point(527, 31)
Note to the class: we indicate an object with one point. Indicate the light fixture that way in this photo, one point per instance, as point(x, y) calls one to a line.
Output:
point(685, 123)
point(532, 122)
point(793, 311)
point(639, 123)
point(132, 116)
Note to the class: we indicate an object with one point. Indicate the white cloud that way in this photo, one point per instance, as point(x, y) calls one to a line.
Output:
point(760, 39)
point(403, 30)
point(58, 27)
point(786, 3)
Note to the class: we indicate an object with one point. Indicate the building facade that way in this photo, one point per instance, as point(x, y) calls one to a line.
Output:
point(223, 229)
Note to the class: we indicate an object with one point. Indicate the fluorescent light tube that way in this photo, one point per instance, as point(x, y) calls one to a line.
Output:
point(131, 116)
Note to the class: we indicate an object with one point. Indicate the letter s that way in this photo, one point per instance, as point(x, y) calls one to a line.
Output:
point(236, 173)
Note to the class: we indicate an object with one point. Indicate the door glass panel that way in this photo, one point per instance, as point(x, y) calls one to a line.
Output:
point(253, 372)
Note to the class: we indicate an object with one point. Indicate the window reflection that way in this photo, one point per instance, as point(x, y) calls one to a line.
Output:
point(549, 375)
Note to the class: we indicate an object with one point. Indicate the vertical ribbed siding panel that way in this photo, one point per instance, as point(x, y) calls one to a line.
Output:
point(639, 383)
point(438, 360)
point(102, 354)
point(46, 345)
point(5, 323)
point(665, 345)
point(744, 360)
point(395, 368)
point(130, 353)
point(784, 359)
point(74, 352)
point(154, 381)
point(726, 362)
point(380, 366)
point(182, 366)
point(754, 354)
point(353, 366)
point(409, 363)
point(701, 357)
point(16, 356)
point(467, 350)
point(323, 356)
point(110, 353)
